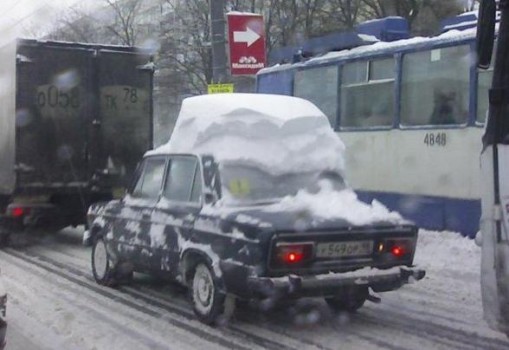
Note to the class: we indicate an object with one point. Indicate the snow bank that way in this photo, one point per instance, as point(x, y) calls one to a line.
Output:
point(447, 250)
point(279, 134)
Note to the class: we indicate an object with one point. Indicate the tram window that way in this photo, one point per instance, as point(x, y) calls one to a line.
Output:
point(435, 87)
point(381, 69)
point(367, 93)
point(320, 86)
point(354, 73)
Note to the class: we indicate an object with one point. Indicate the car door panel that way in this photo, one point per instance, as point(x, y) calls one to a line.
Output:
point(176, 211)
point(133, 224)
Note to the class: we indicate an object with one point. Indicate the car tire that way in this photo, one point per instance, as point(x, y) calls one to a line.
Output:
point(102, 266)
point(348, 302)
point(207, 300)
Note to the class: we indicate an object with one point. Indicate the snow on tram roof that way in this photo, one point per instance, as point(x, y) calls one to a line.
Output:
point(379, 48)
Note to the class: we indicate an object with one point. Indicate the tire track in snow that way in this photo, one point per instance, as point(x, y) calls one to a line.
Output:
point(253, 321)
point(268, 330)
point(173, 308)
point(442, 334)
point(187, 314)
point(43, 264)
point(26, 265)
point(434, 333)
point(158, 299)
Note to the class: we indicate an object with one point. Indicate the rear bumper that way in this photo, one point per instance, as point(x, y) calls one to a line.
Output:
point(35, 215)
point(330, 284)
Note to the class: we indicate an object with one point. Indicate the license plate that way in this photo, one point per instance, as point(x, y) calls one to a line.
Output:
point(343, 249)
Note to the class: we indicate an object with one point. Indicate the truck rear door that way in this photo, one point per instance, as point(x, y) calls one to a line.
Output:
point(125, 83)
point(53, 85)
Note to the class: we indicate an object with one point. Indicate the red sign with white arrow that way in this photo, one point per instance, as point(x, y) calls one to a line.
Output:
point(246, 35)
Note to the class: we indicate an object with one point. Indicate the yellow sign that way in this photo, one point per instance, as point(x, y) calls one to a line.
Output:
point(240, 187)
point(220, 88)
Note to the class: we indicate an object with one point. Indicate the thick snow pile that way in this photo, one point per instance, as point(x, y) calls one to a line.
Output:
point(279, 134)
point(443, 250)
point(328, 204)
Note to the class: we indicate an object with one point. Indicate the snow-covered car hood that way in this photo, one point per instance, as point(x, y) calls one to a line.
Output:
point(305, 211)
point(278, 135)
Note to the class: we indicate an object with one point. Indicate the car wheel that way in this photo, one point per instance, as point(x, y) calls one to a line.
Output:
point(349, 302)
point(102, 268)
point(208, 302)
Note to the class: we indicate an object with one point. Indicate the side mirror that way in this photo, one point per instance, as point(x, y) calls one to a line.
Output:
point(486, 33)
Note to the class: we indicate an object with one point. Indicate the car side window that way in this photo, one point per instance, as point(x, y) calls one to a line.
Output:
point(150, 182)
point(183, 182)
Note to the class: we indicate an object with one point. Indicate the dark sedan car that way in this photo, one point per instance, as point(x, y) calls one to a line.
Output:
point(232, 228)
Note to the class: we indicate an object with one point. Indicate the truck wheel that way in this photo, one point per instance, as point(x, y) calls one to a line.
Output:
point(102, 268)
point(349, 302)
point(208, 302)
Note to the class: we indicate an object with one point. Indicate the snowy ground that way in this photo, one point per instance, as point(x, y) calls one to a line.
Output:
point(54, 304)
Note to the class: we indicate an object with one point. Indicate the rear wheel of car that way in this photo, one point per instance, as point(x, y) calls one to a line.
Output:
point(208, 301)
point(349, 301)
point(102, 267)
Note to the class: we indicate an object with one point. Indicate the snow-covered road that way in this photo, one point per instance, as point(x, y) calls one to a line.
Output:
point(54, 304)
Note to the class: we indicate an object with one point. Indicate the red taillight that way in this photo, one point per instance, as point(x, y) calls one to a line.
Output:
point(289, 254)
point(398, 251)
point(398, 248)
point(18, 212)
point(293, 257)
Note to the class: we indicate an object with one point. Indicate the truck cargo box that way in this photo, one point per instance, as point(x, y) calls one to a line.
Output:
point(74, 120)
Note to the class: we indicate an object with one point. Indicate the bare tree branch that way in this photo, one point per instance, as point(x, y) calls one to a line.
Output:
point(125, 26)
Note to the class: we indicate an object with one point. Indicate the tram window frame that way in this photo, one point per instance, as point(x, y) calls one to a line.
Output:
point(328, 104)
point(481, 113)
point(380, 115)
point(442, 98)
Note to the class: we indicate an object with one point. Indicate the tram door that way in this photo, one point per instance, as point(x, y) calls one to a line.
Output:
point(495, 170)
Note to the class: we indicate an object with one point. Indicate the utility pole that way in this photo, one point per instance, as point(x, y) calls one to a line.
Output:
point(217, 26)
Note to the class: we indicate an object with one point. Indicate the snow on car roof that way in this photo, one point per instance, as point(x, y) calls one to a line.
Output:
point(277, 133)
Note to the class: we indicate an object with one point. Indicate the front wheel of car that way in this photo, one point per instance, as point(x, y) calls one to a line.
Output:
point(209, 303)
point(349, 302)
point(102, 267)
